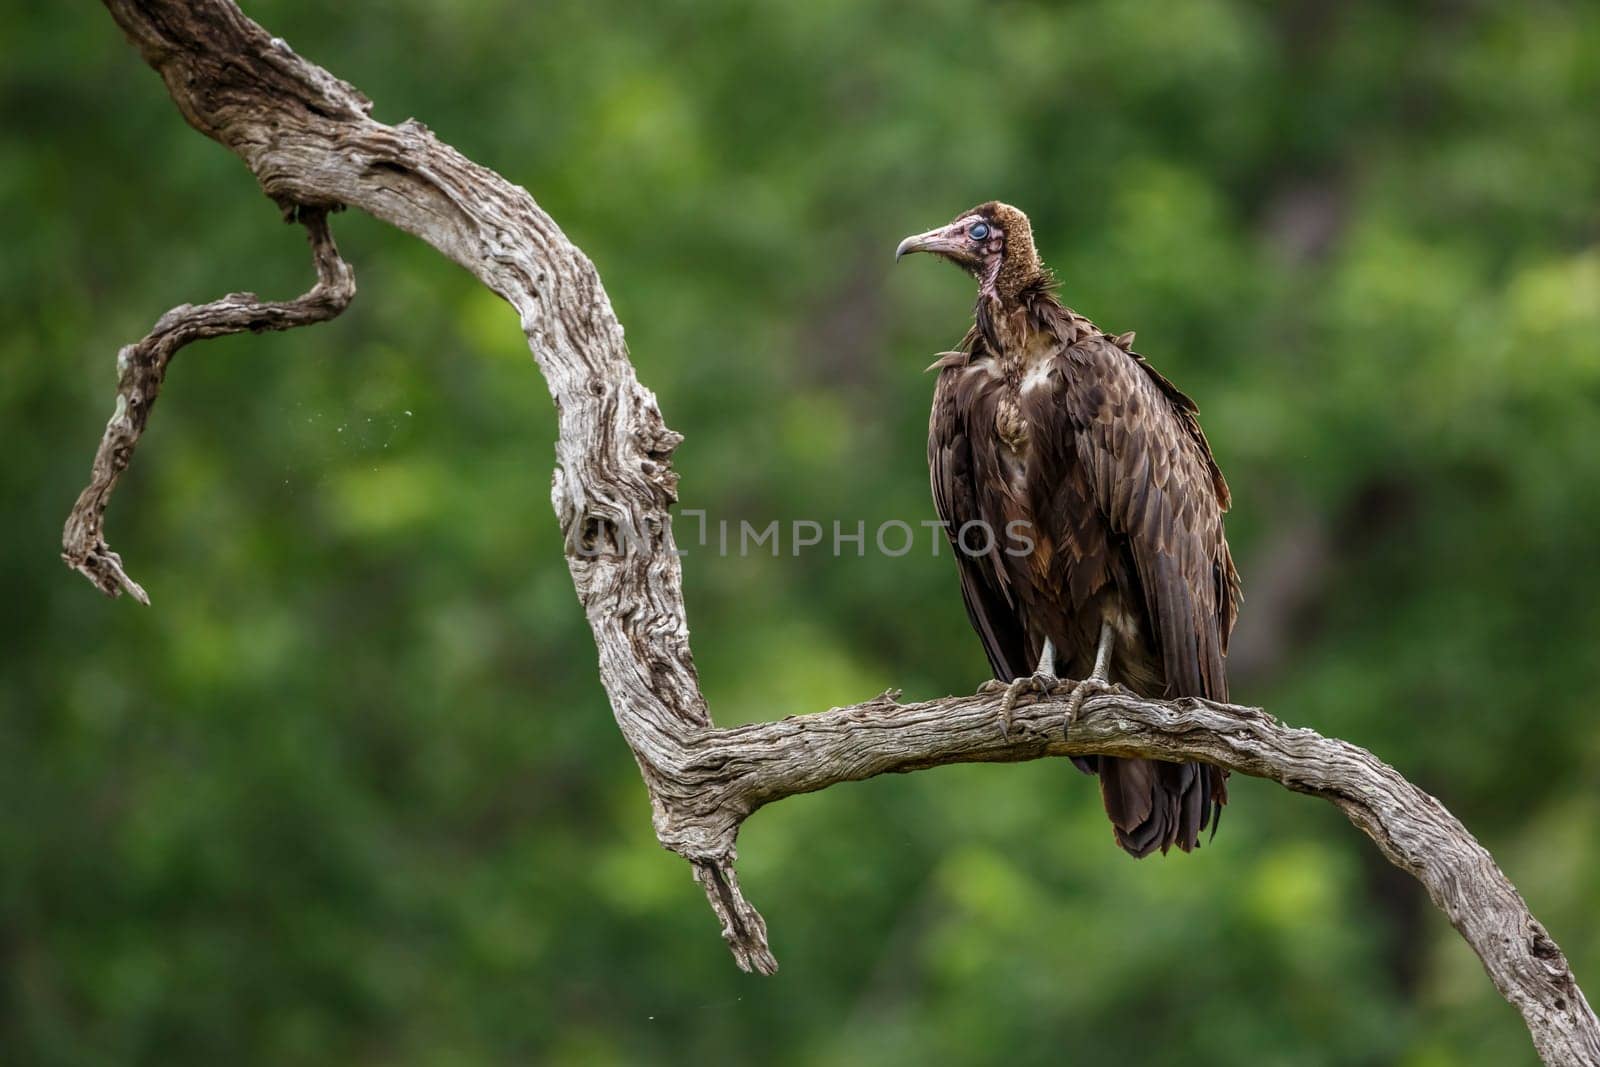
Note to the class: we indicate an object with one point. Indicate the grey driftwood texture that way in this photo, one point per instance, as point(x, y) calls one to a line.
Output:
point(311, 143)
point(142, 367)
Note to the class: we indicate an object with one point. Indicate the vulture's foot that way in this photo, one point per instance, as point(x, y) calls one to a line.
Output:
point(1081, 691)
point(1040, 682)
point(1099, 680)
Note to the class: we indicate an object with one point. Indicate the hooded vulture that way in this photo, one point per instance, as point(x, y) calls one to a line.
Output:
point(1100, 509)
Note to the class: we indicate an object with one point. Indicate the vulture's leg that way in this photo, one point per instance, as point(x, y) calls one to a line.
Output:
point(1099, 680)
point(1042, 680)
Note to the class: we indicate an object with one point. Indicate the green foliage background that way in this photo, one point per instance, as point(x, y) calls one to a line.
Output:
point(349, 792)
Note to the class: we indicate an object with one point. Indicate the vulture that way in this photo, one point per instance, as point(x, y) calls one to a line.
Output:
point(1085, 510)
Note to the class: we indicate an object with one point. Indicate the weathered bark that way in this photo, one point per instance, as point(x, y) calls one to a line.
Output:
point(142, 367)
point(309, 140)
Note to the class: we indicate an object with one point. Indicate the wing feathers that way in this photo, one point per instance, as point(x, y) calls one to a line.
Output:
point(1158, 486)
point(958, 483)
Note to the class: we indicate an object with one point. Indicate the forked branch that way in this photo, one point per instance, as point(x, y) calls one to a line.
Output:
point(309, 140)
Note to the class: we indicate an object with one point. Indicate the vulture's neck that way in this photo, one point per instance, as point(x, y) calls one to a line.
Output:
point(1030, 326)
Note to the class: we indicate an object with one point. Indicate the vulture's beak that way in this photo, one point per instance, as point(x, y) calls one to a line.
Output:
point(940, 241)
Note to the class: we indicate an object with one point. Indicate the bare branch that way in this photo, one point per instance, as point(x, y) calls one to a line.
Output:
point(727, 774)
point(141, 369)
point(309, 140)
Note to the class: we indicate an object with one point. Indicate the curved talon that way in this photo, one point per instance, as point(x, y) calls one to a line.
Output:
point(1039, 681)
point(1089, 687)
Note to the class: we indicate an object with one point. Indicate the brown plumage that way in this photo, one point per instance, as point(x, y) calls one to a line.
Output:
point(1043, 419)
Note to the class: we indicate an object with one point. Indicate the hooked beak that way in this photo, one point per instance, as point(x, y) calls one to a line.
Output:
point(940, 241)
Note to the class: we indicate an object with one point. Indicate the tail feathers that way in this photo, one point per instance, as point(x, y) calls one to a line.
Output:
point(1155, 805)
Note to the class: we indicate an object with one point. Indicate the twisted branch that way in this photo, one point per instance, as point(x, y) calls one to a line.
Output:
point(142, 368)
point(309, 140)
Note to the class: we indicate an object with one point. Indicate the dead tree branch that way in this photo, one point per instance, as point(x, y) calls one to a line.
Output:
point(142, 367)
point(310, 141)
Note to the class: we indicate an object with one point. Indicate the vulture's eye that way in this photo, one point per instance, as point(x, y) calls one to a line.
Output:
point(978, 232)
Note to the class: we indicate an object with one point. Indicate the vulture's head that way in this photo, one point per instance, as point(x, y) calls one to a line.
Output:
point(993, 242)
